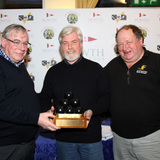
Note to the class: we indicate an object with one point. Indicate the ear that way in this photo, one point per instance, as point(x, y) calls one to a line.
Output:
point(82, 43)
point(3, 42)
point(141, 41)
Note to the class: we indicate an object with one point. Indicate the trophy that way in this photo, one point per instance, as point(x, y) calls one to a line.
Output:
point(69, 114)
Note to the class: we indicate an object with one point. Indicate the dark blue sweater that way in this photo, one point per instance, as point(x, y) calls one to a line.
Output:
point(19, 105)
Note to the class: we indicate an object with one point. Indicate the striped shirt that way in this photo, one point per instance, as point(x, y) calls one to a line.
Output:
point(8, 59)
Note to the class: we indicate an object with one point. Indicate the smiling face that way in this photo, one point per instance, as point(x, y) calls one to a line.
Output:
point(129, 47)
point(71, 47)
point(15, 53)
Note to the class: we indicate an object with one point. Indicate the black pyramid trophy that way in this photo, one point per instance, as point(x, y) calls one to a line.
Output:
point(69, 114)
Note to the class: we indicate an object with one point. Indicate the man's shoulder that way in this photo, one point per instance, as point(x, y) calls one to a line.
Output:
point(3, 62)
point(150, 53)
point(57, 65)
point(114, 61)
point(91, 62)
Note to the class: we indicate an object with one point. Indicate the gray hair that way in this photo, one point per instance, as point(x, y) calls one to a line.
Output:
point(70, 29)
point(11, 27)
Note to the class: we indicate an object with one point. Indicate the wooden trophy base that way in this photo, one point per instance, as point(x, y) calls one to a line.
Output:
point(70, 121)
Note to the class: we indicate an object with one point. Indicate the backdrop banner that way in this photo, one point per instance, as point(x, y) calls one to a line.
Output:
point(99, 27)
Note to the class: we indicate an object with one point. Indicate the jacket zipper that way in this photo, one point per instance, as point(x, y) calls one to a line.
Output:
point(128, 77)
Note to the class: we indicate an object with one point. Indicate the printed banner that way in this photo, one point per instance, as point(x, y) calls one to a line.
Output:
point(99, 27)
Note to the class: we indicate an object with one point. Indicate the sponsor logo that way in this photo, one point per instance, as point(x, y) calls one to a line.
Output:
point(144, 32)
point(49, 63)
point(117, 18)
point(142, 67)
point(49, 45)
point(48, 34)
point(3, 15)
point(141, 70)
point(29, 50)
point(4, 18)
point(72, 18)
point(25, 18)
point(142, 15)
point(96, 18)
point(49, 15)
point(96, 15)
point(49, 18)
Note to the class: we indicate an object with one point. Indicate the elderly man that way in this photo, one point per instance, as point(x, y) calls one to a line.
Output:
point(19, 105)
point(86, 80)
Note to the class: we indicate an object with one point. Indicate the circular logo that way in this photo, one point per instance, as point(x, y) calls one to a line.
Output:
point(48, 34)
point(29, 50)
point(72, 18)
point(144, 33)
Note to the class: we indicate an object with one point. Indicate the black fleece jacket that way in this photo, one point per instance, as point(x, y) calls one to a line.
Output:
point(135, 96)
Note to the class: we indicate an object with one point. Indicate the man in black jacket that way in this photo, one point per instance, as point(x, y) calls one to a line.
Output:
point(86, 80)
point(19, 105)
point(134, 79)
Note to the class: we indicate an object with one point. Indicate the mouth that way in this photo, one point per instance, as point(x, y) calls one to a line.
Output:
point(21, 54)
point(70, 51)
point(127, 52)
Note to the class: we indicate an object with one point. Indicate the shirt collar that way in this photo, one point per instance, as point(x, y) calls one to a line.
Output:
point(8, 59)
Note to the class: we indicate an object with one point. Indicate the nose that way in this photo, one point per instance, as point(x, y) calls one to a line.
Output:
point(125, 46)
point(69, 45)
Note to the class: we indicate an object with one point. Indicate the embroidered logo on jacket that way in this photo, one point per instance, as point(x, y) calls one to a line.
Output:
point(141, 70)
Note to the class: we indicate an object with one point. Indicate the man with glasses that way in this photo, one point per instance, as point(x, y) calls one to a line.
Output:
point(19, 105)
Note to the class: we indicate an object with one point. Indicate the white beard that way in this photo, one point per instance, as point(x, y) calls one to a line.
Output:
point(74, 58)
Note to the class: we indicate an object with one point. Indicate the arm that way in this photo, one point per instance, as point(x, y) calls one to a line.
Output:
point(103, 94)
point(45, 96)
point(9, 110)
point(19, 103)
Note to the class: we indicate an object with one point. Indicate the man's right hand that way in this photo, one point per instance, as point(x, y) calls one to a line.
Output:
point(46, 121)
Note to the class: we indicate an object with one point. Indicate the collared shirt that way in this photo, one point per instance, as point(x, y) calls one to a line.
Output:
point(8, 59)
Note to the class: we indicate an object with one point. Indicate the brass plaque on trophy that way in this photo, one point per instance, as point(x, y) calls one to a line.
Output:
point(69, 113)
point(70, 122)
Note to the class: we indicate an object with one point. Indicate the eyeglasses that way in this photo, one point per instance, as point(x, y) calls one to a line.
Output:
point(18, 43)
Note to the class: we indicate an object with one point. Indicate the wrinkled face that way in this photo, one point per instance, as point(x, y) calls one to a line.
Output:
point(129, 47)
point(71, 47)
point(15, 52)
